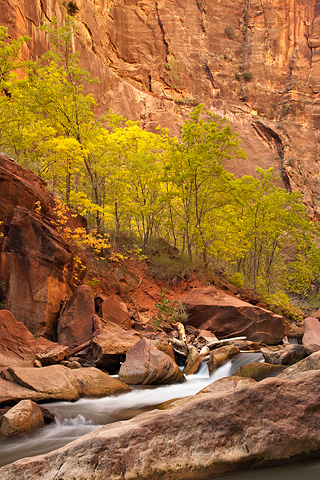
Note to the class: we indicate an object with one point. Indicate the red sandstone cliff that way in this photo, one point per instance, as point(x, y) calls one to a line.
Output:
point(255, 61)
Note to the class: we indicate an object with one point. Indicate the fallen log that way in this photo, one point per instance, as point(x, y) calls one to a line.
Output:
point(79, 348)
point(226, 341)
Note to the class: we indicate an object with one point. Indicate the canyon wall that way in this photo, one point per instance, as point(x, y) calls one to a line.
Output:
point(256, 62)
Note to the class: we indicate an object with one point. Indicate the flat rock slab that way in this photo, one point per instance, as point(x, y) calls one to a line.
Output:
point(210, 434)
point(228, 316)
point(56, 382)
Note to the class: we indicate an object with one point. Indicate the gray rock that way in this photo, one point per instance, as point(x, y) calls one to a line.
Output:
point(287, 355)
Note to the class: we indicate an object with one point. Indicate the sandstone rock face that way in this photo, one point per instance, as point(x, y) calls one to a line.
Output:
point(227, 384)
point(310, 363)
point(17, 344)
point(21, 419)
point(56, 382)
point(147, 365)
point(220, 356)
point(311, 335)
point(243, 437)
point(110, 345)
point(34, 260)
point(283, 356)
point(75, 325)
point(114, 310)
point(258, 69)
point(228, 316)
point(39, 264)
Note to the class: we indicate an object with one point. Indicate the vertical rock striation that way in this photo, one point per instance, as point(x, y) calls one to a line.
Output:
point(256, 62)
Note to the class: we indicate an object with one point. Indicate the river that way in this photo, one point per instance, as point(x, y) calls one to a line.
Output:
point(74, 419)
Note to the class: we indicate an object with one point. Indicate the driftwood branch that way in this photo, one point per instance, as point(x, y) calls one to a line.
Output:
point(226, 341)
point(79, 348)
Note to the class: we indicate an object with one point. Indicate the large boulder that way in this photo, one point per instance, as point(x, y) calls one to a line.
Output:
point(21, 419)
point(110, 344)
point(311, 335)
point(257, 424)
point(56, 382)
point(146, 365)
point(228, 316)
point(114, 310)
point(75, 325)
point(17, 344)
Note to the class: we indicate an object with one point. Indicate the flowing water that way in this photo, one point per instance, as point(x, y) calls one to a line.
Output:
point(74, 419)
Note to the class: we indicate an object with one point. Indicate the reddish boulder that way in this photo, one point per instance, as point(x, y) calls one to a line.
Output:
point(311, 335)
point(110, 344)
point(113, 309)
point(228, 316)
point(17, 344)
point(91, 382)
point(75, 325)
point(147, 365)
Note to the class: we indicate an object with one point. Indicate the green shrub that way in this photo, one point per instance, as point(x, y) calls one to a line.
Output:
point(237, 279)
point(168, 310)
point(247, 76)
point(3, 290)
point(280, 303)
point(229, 31)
